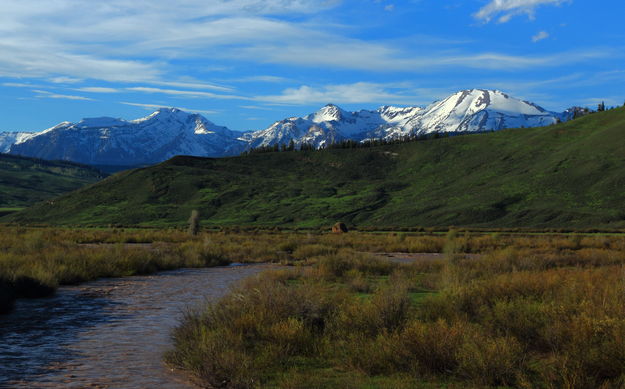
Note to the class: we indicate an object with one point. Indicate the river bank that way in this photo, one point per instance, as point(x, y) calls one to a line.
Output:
point(109, 333)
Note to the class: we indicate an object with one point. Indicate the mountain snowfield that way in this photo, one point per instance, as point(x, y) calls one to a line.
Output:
point(331, 124)
point(466, 111)
point(7, 139)
point(154, 138)
point(169, 131)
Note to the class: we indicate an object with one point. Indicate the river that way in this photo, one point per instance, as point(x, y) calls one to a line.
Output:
point(109, 333)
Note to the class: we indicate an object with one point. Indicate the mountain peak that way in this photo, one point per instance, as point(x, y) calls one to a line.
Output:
point(472, 101)
point(100, 122)
point(327, 113)
point(165, 113)
point(168, 110)
point(109, 141)
point(170, 131)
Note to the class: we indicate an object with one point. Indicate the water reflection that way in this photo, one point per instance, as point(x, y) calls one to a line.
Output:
point(107, 333)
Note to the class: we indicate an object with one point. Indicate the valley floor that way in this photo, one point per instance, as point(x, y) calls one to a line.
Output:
point(354, 310)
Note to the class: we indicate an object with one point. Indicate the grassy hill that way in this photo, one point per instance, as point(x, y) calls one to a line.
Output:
point(568, 175)
point(25, 181)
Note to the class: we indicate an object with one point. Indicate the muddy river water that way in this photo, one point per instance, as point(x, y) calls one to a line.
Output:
point(109, 333)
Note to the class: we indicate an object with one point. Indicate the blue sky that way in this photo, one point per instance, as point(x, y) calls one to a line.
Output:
point(247, 63)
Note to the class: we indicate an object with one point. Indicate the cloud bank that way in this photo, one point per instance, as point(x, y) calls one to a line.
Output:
point(504, 10)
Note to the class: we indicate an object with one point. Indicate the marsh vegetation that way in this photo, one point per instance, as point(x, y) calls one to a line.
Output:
point(530, 311)
point(490, 310)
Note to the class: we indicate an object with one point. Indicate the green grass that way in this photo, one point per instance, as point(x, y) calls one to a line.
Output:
point(25, 181)
point(564, 176)
point(9, 210)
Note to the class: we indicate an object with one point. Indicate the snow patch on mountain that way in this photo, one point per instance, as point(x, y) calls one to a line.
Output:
point(7, 139)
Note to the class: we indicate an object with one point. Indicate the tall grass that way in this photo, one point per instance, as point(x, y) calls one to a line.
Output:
point(542, 312)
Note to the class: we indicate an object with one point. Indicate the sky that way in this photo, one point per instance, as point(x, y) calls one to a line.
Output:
point(247, 63)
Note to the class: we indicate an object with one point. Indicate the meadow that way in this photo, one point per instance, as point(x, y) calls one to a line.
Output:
point(25, 181)
point(35, 261)
point(543, 311)
point(490, 310)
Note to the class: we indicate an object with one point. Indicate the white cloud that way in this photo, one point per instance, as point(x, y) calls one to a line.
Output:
point(506, 9)
point(50, 95)
point(65, 80)
point(36, 59)
point(185, 93)
point(390, 7)
point(157, 106)
point(260, 78)
point(257, 107)
point(21, 85)
point(540, 36)
point(97, 89)
point(527, 88)
point(73, 39)
point(138, 41)
point(361, 92)
point(193, 85)
point(387, 59)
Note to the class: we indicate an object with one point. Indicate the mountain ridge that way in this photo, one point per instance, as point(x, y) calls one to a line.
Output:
point(110, 141)
point(25, 181)
point(170, 131)
point(562, 176)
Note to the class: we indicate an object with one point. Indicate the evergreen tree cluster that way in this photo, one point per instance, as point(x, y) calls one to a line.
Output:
point(374, 142)
point(343, 144)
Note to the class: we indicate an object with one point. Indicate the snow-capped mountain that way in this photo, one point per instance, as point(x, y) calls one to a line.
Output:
point(331, 124)
point(7, 139)
point(466, 111)
point(169, 131)
point(481, 110)
point(109, 141)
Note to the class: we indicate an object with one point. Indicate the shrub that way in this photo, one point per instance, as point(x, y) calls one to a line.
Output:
point(431, 347)
point(262, 324)
point(490, 360)
point(194, 223)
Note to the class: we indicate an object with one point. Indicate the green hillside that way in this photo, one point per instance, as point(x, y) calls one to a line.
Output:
point(25, 181)
point(568, 175)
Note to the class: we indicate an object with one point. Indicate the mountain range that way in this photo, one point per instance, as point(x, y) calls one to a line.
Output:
point(169, 131)
point(568, 175)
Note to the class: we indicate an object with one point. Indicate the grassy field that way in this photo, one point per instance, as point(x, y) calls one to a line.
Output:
point(529, 312)
point(491, 310)
point(26, 181)
point(564, 176)
point(35, 261)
